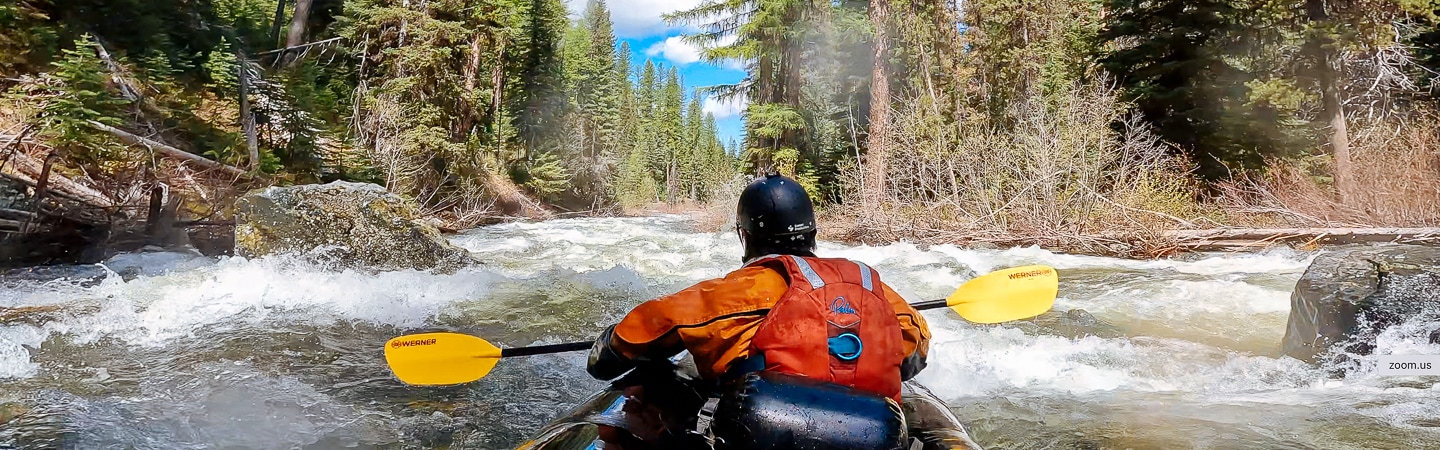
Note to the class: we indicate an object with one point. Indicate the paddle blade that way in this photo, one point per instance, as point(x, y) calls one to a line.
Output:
point(1006, 295)
point(430, 359)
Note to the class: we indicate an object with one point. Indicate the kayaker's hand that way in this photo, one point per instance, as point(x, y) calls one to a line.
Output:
point(605, 363)
point(911, 366)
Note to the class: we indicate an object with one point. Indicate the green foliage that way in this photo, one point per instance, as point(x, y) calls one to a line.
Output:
point(773, 119)
point(27, 38)
point(80, 96)
point(223, 69)
point(545, 175)
point(1238, 83)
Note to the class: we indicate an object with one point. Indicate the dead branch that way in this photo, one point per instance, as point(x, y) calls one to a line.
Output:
point(117, 73)
point(297, 47)
point(132, 139)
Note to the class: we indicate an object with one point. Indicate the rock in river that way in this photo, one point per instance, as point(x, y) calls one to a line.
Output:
point(350, 222)
point(1351, 296)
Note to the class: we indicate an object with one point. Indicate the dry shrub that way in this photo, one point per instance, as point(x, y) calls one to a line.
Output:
point(1397, 171)
point(1059, 176)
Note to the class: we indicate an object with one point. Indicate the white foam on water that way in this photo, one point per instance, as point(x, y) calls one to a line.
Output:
point(14, 359)
point(968, 361)
point(156, 263)
point(652, 246)
point(153, 310)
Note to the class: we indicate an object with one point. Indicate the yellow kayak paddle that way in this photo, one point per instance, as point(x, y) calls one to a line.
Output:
point(434, 359)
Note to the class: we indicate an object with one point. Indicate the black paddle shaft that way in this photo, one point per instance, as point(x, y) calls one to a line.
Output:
point(578, 346)
point(932, 304)
point(545, 349)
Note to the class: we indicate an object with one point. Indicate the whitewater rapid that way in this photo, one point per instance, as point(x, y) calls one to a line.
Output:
point(171, 350)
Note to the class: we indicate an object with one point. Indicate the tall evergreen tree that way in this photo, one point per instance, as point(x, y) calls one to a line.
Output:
point(603, 106)
point(542, 100)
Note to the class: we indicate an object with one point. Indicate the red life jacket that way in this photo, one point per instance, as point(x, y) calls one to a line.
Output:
point(832, 324)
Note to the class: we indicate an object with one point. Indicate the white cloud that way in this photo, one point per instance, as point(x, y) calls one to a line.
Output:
point(722, 109)
point(640, 18)
point(735, 64)
point(676, 50)
point(679, 52)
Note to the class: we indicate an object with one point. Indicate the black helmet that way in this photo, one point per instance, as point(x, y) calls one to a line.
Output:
point(775, 206)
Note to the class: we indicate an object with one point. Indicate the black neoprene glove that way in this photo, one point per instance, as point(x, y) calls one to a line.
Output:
point(911, 366)
point(606, 363)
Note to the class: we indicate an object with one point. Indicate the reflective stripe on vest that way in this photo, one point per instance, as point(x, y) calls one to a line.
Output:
point(865, 276)
point(810, 275)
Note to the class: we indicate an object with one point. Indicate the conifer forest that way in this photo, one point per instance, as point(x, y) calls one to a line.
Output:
point(1065, 122)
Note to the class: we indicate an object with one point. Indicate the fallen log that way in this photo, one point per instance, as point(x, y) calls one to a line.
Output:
point(26, 169)
point(14, 213)
point(173, 152)
point(1256, 238)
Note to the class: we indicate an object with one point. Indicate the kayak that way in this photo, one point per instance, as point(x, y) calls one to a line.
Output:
point(654, 407)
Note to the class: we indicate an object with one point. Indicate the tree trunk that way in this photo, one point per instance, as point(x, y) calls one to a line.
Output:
point(41, 182)
point(247, 120)
point(1333, 109)
point(279, 19)
point(497, 83)
point(471, 73)
point(873, 190)
point(298, 25)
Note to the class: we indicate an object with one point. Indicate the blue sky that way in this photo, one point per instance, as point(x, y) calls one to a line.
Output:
point(639, 23)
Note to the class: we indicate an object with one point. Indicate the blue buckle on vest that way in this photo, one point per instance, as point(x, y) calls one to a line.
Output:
point(847, 346)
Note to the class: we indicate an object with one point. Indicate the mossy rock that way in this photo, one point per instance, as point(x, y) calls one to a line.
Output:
point(351, 223)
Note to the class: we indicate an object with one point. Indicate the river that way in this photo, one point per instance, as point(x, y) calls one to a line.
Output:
point(174, 351)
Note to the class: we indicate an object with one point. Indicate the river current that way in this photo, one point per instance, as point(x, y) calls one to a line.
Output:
point(177, 351)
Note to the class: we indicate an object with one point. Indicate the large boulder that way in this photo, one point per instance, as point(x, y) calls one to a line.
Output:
point(350, 222)
point(1348, 297)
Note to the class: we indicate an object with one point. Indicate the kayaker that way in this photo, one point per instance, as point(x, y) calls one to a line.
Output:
point(785, 310)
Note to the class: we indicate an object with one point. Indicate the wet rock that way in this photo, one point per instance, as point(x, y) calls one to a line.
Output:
point(9, 411)
point(86, 275)
point(1351, 296)
point(40, 315)
point(432, 430)
point(347, 222)
point(1073, 324)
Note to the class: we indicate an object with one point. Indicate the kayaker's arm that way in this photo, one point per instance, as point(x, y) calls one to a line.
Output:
point(712, 319)
point(915, 332)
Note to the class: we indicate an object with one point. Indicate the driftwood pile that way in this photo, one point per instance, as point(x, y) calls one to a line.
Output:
point(56, 218)
point(1240, 239)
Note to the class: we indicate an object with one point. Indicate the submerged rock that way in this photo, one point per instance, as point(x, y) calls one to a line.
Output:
point(349, 222)
point(432, 430)
point(1073, 324)
point(1351, 296)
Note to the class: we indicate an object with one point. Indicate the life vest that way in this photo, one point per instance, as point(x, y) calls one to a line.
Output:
point(832, 324)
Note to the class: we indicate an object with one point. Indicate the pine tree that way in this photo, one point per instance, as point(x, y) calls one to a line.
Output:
point(603, 106)
point(769, 32)
point(693, 149)
point(541, 100)
point(82, 95)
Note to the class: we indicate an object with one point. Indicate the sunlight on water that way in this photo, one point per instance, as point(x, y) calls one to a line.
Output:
point(179, 351)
